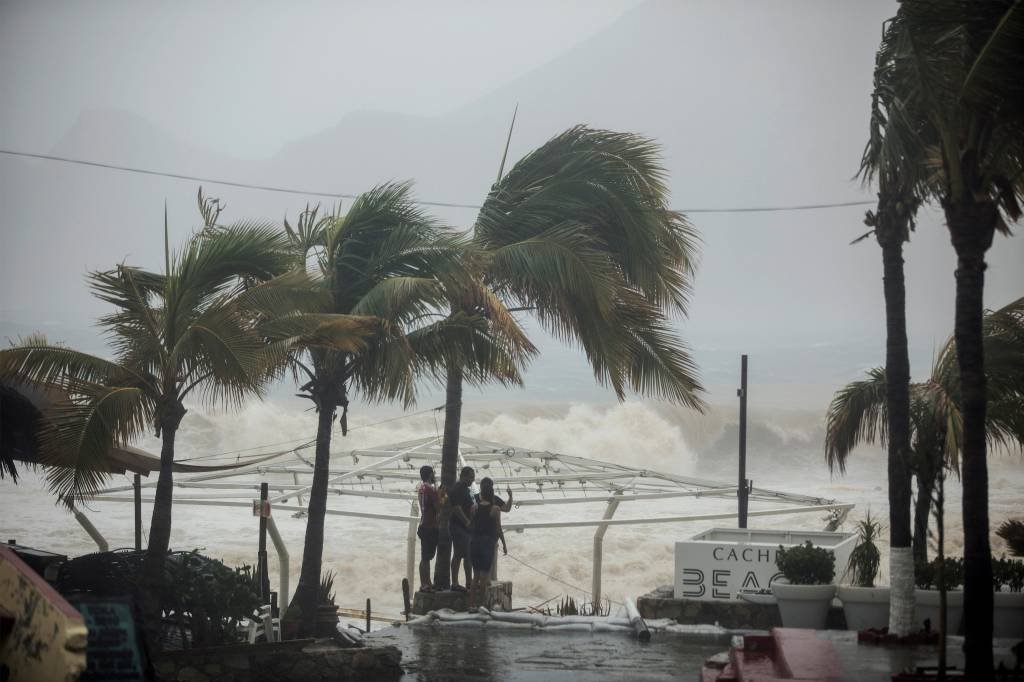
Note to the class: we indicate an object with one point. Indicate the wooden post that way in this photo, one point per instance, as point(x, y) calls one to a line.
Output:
point(405, 598)
point(367, 614)
point(741, 485)
point(595, 590)
point(137, 485)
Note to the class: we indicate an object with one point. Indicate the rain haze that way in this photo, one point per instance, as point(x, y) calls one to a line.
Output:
point(754, 104)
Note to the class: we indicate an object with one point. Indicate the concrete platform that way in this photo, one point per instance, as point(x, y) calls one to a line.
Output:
point(498, 597)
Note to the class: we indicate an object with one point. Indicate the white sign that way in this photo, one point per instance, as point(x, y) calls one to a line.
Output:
point(723, 562)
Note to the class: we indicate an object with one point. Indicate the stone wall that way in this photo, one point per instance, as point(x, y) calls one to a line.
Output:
point(737, 615)
point(499, 597)
point(734, 615)
point(296, 660)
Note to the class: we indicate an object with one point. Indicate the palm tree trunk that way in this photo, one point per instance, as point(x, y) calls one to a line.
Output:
point(897, 372)
point(159, 531)
point(971, 227)
point(449, 467)
point(922, 512)
point(305, 599)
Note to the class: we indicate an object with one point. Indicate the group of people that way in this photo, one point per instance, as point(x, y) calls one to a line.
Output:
point(474, 525)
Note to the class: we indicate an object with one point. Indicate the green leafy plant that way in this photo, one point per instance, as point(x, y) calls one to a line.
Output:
point(806, 564)
point(865, 557)
point(201, 600)
point(1007, 573)
point(926, 575)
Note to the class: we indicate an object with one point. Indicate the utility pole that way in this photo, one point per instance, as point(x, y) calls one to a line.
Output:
point(742, 487)
point(137, 487)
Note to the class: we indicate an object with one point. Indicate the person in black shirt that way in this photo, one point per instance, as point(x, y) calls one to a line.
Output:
point(486, 526)
point(459, 526)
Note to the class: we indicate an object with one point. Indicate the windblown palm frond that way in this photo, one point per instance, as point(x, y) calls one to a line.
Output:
point(858, 412)
point(609, 188)
point(579, 232)
point(857, 415)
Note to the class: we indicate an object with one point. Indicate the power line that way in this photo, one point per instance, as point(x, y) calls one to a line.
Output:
point(441, 204)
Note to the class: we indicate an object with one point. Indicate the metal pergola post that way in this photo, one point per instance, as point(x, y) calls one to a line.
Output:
point(96, 536)
point(609, 512)
point(410, 548)
point(282, 563)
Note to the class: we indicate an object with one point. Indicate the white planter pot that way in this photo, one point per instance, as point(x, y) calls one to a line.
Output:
point(865, 607)
point(804, 606)
point(1008, 615)
point(927, 606)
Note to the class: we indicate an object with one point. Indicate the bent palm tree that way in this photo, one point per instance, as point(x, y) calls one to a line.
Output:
point(858, 413)
point(579, 233)
point(387, 262)
point(175, 336)
point(956, 67)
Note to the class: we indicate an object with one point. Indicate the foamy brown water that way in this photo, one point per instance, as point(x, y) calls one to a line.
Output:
point(785, 453)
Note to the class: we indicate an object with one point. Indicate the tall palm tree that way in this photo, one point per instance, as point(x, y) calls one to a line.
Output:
point(859, 412)
point(387, 262)
point(956, 66)
point(891, 225)
point(579, 233)
point(176, 336)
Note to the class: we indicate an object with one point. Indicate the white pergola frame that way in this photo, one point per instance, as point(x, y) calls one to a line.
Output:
point(537, 478)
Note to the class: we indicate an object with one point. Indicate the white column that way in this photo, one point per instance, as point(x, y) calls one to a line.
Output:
point(282, 564)
point(96, 536)
point(609, 512)
point(410, 551)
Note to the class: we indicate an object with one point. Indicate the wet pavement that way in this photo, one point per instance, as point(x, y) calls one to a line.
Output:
point(441, 653)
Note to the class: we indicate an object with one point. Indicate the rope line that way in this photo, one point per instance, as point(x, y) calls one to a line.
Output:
point(557, 580)
point(342, 195)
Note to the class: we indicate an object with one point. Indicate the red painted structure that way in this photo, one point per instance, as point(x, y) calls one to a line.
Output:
point(784, 654)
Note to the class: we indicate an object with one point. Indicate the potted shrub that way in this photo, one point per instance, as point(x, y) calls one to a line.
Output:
point(864, 605)
point(806, 593)
point(926, 596)
point(1008, 600)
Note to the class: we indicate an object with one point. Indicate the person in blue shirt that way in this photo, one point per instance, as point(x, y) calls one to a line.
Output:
point(486, 527)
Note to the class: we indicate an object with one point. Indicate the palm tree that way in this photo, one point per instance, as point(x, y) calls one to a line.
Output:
point(386, 262)
point(891, 225)
point(579, 233)
point(181, 335)
point(859, 412)
point(955, 67)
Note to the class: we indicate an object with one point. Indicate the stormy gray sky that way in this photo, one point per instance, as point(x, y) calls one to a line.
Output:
point(755, 104)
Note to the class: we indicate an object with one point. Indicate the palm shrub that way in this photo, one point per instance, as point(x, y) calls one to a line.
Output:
point(858, 412)
point(182, 335)
point(865, 557)
point(1012, 532)
point(806, 564)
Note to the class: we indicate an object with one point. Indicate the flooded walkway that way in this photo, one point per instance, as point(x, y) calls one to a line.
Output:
point(436, 654)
